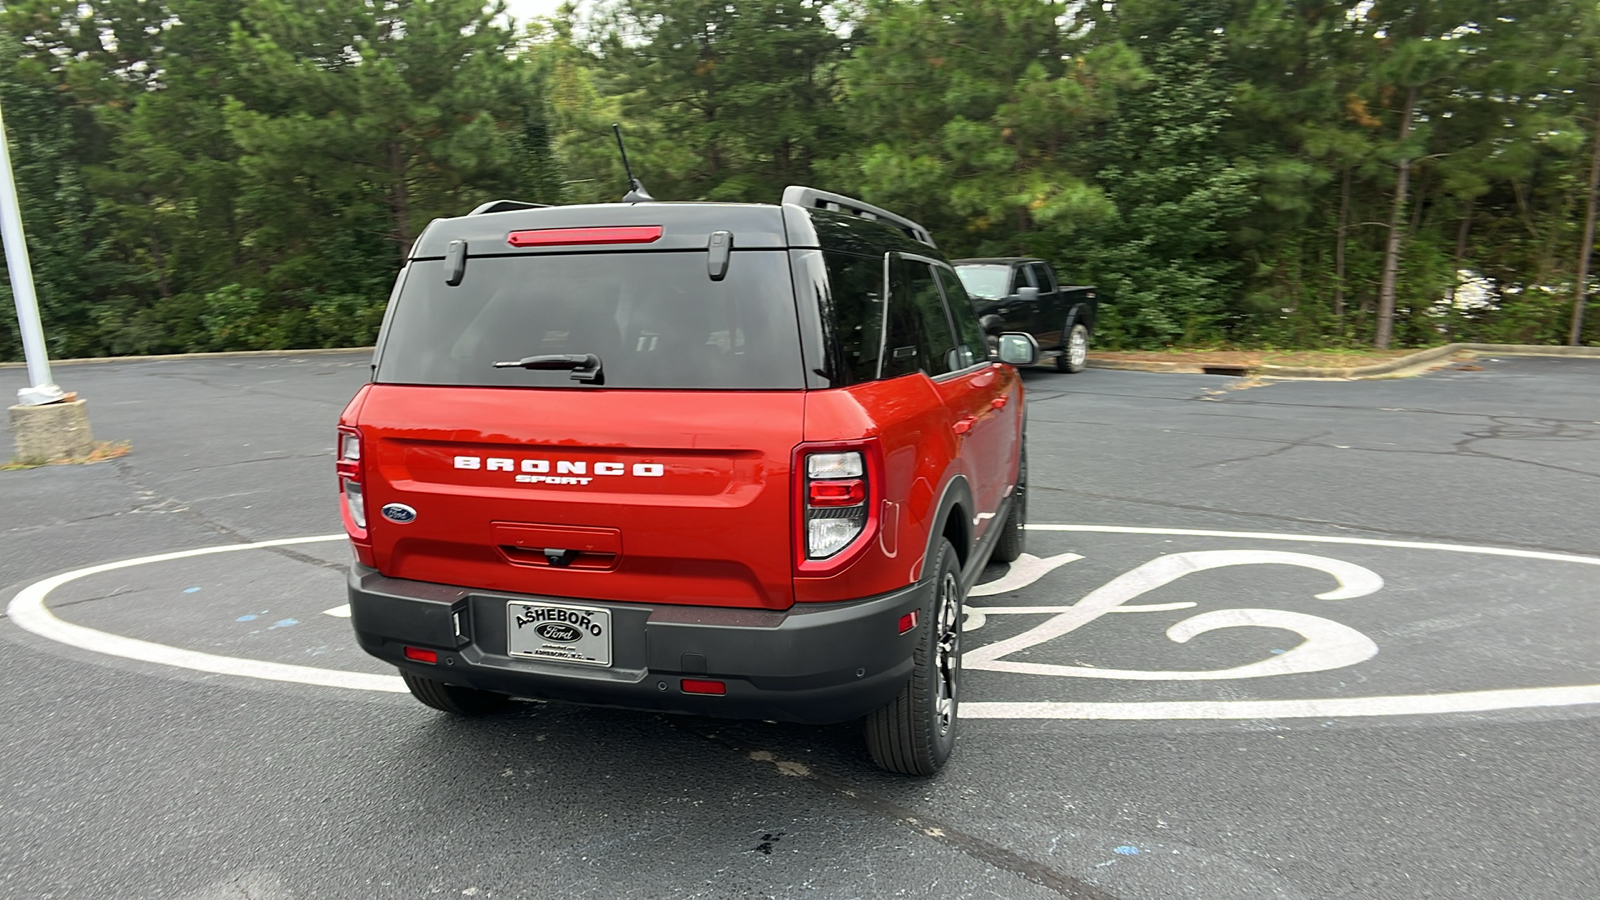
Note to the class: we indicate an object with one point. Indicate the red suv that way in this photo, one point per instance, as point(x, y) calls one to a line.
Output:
point(721, 459)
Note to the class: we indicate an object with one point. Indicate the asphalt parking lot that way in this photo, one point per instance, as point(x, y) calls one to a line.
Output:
point(1287, 639)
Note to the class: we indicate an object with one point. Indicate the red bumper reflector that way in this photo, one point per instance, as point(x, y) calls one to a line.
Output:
point(561, 237)
point(417, 654)
point(698, 686)
point(837, 493)
point(908, 621)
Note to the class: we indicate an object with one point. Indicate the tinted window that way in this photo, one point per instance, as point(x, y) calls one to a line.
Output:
point(1041, 277)
point(656, 320)
point(969, 334)
point(852, 313)
point(864, 237)
point(988, 282)
point(919, 337)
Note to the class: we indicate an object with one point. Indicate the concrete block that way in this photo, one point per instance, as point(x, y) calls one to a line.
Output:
point(52, 431)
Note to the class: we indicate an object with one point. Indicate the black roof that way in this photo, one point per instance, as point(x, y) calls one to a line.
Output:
point(995, 260)
point(685, 226)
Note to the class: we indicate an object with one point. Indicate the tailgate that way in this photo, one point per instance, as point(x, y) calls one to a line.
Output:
point(653, 496)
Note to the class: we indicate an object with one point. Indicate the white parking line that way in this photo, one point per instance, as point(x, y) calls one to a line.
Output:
point(1325, 539)
point(1331, 708)
point(28, 610)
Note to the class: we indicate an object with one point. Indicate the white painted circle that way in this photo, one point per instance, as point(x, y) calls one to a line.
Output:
point(28, 610)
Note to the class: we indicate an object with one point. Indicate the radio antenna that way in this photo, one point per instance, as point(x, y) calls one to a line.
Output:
point(636, 192)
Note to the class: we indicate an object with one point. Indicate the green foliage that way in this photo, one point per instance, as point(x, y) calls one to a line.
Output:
point(246, 174)
point(229, 174)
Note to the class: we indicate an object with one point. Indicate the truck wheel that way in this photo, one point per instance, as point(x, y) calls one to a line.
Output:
point(1074, 350)
point(915, 733)
point(452, 699)
point(1009, 545)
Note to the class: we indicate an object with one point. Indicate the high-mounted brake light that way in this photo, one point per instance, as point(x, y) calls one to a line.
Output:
point(563, 237)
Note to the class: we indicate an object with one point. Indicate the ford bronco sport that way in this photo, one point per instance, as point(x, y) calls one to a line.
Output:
point(710, 458)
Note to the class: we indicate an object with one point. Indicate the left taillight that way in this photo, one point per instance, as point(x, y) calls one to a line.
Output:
point(348, 465)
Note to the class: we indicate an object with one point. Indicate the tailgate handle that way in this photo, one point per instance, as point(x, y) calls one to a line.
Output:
point(558, 557)
point(558, 546)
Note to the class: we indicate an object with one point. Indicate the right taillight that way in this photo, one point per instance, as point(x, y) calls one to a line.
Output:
point(348, 465)
point(835, 502)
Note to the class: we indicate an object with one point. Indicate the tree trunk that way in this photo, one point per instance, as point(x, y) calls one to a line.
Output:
point(1455, 269)
point(159, 257)
point(400, 198)
point(1391, 250)
point(1339, 245)
point(1580, 291)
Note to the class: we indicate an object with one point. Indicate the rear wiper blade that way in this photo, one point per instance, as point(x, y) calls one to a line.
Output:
point(585, 366)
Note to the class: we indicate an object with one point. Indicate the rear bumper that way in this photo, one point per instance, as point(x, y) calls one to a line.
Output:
point(815, 663)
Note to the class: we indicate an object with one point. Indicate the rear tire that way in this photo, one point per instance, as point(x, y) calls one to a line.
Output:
point(1074, 349)
point(449, 698)
point(1013, 539)
point(916, 732)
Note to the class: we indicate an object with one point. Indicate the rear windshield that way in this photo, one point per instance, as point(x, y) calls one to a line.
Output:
point(987, 282)
point(656, 320)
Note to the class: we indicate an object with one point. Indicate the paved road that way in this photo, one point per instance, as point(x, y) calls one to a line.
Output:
point(1308, 639)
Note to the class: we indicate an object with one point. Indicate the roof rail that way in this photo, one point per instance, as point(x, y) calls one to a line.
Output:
point(811, 198)
point(494, 206)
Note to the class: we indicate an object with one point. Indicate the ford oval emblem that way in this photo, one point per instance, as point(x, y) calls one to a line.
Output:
point(399, 512)
point(555, 631)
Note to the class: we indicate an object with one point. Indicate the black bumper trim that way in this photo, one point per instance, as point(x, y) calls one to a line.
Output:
point(817, 663)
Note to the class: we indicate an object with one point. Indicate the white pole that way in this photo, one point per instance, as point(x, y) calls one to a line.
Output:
point(44, 390)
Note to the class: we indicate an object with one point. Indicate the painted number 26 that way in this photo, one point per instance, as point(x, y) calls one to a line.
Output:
point(1327, 644)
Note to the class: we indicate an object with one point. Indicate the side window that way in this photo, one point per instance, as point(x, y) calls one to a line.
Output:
point(1024, 278)
point(1041, 277)
point(919, 338)
point(853, 313)
point(971, 347)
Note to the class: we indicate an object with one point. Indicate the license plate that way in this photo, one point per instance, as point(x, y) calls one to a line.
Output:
point(558, 632)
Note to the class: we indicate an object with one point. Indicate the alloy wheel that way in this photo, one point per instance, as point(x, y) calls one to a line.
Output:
point(947, 651)
point(1078, 348)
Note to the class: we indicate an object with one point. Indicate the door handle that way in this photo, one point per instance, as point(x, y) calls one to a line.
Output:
point(965, 425)
point(998, 402)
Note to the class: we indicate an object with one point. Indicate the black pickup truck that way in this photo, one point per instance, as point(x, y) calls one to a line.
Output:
point(1023, 293)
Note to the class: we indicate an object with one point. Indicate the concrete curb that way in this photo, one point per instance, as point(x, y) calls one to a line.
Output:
point(224, 354)
point(1388, 367)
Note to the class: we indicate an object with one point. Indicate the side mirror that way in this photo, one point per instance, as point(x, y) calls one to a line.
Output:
point(1028, 294)
point(1018, 349)
point(992, 324)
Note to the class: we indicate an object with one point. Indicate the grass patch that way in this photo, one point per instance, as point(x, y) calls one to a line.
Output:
point(103, 450)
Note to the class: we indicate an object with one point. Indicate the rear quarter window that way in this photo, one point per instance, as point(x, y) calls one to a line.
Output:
point(656, 320)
